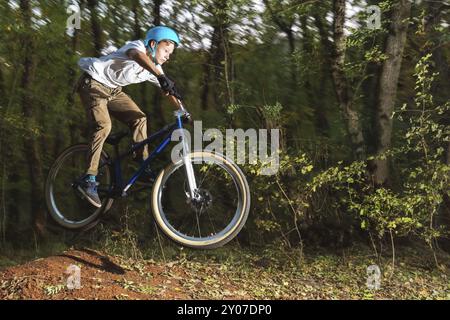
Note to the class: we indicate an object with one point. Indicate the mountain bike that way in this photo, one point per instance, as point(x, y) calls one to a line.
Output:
point(200, 200)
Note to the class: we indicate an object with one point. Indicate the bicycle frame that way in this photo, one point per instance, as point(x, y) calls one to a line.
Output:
point(120, 189)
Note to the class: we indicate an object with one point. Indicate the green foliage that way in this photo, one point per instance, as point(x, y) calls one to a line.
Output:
point(272, 112)
point(122, 241)
point(412, 210)
point(232, 108)
point(53, 290)
point(319, 191)
point(409, 210)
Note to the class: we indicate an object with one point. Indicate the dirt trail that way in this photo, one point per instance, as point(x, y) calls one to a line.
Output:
point(101, 277)
point(228, 276)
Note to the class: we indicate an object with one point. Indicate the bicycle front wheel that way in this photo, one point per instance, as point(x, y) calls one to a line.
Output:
point(219, 213)
point(64, 202)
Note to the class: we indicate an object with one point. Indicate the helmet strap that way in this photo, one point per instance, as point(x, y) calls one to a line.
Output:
point(153, 52)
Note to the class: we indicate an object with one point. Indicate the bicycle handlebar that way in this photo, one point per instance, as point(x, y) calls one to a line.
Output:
point(178, 102)
point(181, 109)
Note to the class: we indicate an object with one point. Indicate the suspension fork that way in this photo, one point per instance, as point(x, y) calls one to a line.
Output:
point(187, 160)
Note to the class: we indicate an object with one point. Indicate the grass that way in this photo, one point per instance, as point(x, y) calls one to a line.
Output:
point(11, 255)
point(318, 274)
point(275, 272)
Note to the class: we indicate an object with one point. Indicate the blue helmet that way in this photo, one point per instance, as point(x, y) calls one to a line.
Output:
point(160, 33)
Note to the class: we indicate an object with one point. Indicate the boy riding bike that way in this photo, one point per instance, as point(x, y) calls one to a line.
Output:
point(100, 90)
point(200, 199)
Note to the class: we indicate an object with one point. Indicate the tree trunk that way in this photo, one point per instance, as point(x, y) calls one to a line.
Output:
point(286, 28)
point(3, 172)
point(340, 81)
point(218, 72)
point(30, 142)
point(434, 46)
point(445, 213)
point(158, 113)
point(291, 40)
point(74, 123)
point(442, 85)
point(206, 78)
point(136, 22)
point(157, 12)
point(135, 8)
point(218, 55)
point(315, 97)
point(2, 88)
point(97, 32)
point(116, 15)
point(388, 81)
point(336, 58)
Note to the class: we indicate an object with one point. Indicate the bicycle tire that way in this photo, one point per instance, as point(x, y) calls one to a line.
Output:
point(54, 208)
point(231, 229)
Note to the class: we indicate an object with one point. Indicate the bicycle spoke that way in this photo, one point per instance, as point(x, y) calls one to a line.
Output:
point(212, 224)
point(204, 176)
point(198, 223)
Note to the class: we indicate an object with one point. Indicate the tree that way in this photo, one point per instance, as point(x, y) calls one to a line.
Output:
point(282, 15)
point(158, 113)
point(31, 147)
point(138, 34)
point(217, 74)
point(97, 32)
point(72, 68)
point(315, 94)
point(336, 59)
point(388, 80)
point(435, 44)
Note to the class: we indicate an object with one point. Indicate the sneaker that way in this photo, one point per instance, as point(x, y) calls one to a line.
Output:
point(89, 190)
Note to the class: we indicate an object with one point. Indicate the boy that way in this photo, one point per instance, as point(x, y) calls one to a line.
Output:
point(100, 90)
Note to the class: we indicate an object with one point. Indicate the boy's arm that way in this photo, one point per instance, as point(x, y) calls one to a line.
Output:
point(144, 61)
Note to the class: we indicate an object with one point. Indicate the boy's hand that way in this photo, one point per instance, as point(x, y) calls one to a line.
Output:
point(165, 83)
point(168, 86)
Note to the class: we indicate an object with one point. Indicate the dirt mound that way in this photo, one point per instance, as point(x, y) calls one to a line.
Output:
point(100, 277)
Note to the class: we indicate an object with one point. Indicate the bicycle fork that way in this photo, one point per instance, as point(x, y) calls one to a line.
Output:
point(187, 162)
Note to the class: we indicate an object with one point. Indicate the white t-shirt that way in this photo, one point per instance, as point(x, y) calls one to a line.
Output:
point(117, 69)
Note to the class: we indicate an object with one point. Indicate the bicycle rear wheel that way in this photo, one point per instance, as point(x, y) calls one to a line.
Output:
point(220, 213)
point(64, 202)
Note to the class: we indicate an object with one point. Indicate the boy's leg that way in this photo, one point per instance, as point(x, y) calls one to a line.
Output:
point(94, 97)
point(124, 109)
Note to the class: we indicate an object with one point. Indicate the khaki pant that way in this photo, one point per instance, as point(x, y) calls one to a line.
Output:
point(100, 101)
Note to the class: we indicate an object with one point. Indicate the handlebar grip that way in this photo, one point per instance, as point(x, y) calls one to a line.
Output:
point(177, 102)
